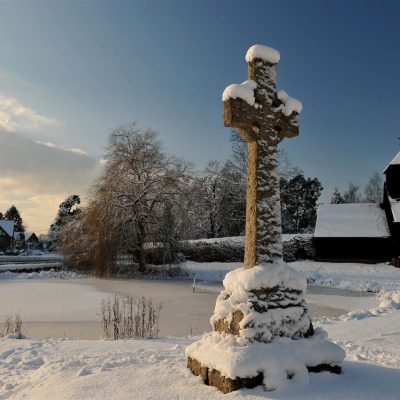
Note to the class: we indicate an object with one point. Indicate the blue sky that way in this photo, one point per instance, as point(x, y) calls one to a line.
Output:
point(78, 69)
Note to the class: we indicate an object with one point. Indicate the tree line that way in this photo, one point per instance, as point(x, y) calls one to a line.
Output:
point(12, 214)
point(146, 202)
point(373, 192)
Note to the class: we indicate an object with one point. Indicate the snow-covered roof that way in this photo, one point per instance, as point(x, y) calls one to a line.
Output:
point(7, 226)
point(264, 52)
point(395, 161)
point(27, 235)
point(351, 220)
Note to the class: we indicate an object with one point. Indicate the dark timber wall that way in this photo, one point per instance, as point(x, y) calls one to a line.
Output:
point(353, 249)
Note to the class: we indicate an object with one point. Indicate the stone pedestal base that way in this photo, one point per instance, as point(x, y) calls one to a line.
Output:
point(263, 334)
point(212, 377)
point(225, 385)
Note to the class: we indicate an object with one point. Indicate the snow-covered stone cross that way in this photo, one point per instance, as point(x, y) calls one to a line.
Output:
point(262, 329)
point(264, 117)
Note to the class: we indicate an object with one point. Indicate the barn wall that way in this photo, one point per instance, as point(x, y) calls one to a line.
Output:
point(353, 249)
point(392, 181)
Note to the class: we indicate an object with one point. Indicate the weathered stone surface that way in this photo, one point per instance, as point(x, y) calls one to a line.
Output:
point(233, 327)
point(198, 369)
point(263, 126)
point(250, 244)
point(227, 385)
point(212, 377)
point(264, 301)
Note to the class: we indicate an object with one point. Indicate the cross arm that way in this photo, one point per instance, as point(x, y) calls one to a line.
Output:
point(285, 126)
point(239, 114)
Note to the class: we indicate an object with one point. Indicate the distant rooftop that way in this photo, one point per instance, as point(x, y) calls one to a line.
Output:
point(27, 235)
point(7, 226)
point(395, 161)
point(351, 220)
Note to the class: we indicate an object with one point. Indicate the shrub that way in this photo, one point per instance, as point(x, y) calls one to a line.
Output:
point(231, 249)
point(12, 326)
point(125, 318)
point(298, 247)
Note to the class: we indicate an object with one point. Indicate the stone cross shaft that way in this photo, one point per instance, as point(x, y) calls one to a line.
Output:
point(263, 125)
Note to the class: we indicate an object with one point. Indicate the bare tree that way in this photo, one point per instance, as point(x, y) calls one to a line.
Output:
point(141, 180)
point(374, 189)
point(352, 194)
point(286, 169)
point(219, 201)
point(133, 202)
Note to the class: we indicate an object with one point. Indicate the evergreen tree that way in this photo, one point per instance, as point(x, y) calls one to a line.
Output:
point(299, 203)
point(336, 197)
point(66, 213)
point(1, 216)
point(12, 214)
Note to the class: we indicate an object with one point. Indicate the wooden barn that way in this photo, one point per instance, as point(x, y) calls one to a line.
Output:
point(352, 232)
point(367, 232)
point(391, 204)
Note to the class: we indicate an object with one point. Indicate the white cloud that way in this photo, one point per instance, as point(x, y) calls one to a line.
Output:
point(15, 117)
point(37, 177)
point(76, 150)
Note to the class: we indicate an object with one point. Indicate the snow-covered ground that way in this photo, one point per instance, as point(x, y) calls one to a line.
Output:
point(350, 276)
point(155, 369)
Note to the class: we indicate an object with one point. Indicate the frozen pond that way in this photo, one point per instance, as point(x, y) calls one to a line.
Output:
point(58, 308)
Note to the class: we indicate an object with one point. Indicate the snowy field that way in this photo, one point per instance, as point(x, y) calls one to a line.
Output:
point(350, 276)
point(369, 331)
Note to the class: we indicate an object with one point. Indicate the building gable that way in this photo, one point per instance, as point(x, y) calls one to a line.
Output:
point(8, 227)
